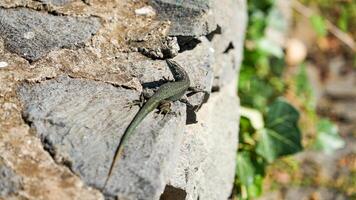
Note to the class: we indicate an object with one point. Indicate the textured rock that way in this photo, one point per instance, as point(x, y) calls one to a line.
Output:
point(227, 40)
point(56, 2)
point(168, 48)
point(10, 183)
point(206, 165)
point(72, 114)
point(201, 171)
point(73, 99)
point(40, 177)
point(188, 18)
point(31, 34)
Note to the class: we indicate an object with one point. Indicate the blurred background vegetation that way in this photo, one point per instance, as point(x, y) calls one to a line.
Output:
point(288, 123)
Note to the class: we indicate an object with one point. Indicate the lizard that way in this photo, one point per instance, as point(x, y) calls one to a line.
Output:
point(171, 91)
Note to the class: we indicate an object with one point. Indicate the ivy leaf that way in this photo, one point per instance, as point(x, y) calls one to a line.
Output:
point(245, 169)
point(281, 136)
point(328, 139)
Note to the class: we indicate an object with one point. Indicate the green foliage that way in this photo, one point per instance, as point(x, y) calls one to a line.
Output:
point(268, 129)
point(281, 135)
point(343, 20)
point(263, 63)
point(269, 124)
point(341, 13)
point(249, 178)
point(328, 139)
point(263, 142)
point(319, 25)
point(304, 89)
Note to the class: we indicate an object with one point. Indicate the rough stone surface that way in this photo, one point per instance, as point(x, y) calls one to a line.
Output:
point(56, 2)
point(168, 48)
point(226, 40)
point(70, 114)
point(31, 34)
point(201, 171)
point(62, 116)
point(206, 165)
point(188, 18)
point(10, 183)
point(40, 177)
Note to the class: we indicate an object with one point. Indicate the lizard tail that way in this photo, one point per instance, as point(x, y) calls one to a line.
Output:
point(147, 108)
point(118, 154)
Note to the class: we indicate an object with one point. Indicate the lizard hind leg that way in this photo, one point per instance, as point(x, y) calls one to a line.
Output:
point(164, 108)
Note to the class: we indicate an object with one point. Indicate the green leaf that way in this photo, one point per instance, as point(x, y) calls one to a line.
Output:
point(319, 25)
point(245, 169)
point(328, 139)
point(281, 135)
point(254, 92)
point(256, 26)
point(250, 180)
point(255, 189)
point(265, 146)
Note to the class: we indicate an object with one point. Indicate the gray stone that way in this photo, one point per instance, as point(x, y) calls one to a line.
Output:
point(81, 122)
point(10, 183)
point(207, 159)
point(74, 99)
point(200, 70)
point(56, 2)
point(197, 63)
point(166, 48)
point(202, 172)
point(227, 40)
point(188, 18)
point(32, 34)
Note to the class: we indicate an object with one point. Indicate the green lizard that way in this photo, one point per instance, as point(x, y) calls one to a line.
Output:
point(170, 91)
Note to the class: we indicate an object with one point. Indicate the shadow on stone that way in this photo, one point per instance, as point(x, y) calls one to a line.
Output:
point(172, 193)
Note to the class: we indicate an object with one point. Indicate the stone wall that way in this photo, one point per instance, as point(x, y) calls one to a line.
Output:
point(68, 69)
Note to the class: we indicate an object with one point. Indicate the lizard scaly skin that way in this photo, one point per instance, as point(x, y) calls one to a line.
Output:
point(170, 91)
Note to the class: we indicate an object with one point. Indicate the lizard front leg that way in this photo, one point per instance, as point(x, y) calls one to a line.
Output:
point(139, 102)
point(144, 96)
